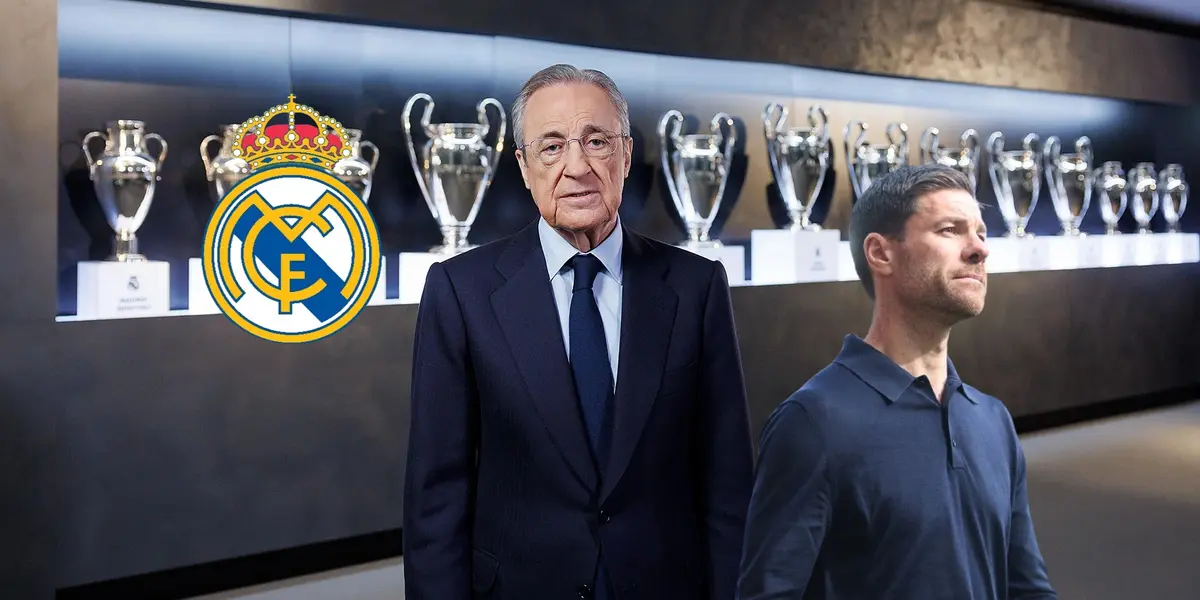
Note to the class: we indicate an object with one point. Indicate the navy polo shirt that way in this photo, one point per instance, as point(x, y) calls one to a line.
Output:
point(868, 488)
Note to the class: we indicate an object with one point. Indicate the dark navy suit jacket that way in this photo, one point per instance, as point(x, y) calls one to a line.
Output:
point(502, 497)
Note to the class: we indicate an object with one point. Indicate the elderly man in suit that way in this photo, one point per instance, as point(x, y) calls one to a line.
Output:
point(579, 414)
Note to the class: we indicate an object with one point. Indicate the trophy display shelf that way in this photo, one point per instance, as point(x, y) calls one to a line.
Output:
point(123, 289)
point(1062, 252)
point(732, 257)
point(796, 256)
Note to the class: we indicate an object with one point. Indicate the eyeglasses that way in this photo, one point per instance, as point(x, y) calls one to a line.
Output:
point(550, 150)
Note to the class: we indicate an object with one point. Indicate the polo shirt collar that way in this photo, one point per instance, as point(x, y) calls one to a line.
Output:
point(883, 374)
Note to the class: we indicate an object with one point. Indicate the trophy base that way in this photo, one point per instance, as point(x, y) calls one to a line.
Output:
point(412, 267)
point(701, 244)
point(123, 289)
point(733, 258)
point(787, 256)
point(129, 258)
point(448, 251)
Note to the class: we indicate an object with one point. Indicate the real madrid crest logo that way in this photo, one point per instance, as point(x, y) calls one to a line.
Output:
point(291, 253)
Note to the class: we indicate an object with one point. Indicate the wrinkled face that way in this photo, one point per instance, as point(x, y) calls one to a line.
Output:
point(575, 161)
point(938, 267)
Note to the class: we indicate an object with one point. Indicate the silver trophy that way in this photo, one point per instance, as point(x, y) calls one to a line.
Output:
point(357, 171)
point(697, 178)
point(799, 158)
point(1112, 189)
point(454, 168)
point(865, 162)
point(1070, 178)
point(1173, 194)
point(223, 170)
point(1016, 178)
point(124, 177)
point(1143, 194)
point(964, 158)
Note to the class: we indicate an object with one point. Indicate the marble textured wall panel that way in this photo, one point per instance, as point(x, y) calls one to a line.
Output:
point(970, 41)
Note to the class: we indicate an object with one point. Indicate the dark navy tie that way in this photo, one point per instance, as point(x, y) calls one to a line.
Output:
point(593, 376)
point(589, 358)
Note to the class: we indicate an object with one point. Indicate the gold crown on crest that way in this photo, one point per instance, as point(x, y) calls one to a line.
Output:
point(291, 133)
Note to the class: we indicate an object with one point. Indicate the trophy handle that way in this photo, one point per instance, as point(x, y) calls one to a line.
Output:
point(818, 120)
point(501, 129)
point(850, 170)
point(1053, 150)
point(1033, 144)
point(408, 139)
point(1083, 146)
point(773, 124)
point(1054, 178)
point(928, 144)
point(771, 127)
point(729, 139)
point(162, 152)
point(668, 129)
point(995, 169)
point(204, 157)
point(901, 142)
point(87, 154)
point(374, 160)
point(969, 141)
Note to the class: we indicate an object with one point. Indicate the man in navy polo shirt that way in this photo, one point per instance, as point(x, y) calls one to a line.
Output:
point(886, 476)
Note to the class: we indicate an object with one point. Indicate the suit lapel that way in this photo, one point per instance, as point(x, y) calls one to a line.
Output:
point(647, 318)
point(527, 314)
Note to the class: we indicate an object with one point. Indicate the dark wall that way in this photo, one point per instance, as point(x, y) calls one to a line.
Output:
point(135, 446)
point(972, 41)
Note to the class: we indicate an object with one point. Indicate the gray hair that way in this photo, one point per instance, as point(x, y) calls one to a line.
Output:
point(564, 74)
point(887, 205)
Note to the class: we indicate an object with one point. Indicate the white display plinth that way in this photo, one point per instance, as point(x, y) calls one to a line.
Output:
point(785, 256)
point(1091, 251)
point(1149, 249)
point(200, 301)
point(412, 269)
point(119, 290)
point(379, 296)
point(1002, 255)
point(733, 258)
point(1007, 255)
point(846, 270)
point(1182, 247)
point(1114, 250)
point(1067, 252)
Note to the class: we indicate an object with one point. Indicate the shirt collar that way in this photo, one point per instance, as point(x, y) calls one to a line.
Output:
point(558, 250)
point(883, 374)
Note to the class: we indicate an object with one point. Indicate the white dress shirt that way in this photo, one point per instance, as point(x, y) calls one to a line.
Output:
point(607, 287)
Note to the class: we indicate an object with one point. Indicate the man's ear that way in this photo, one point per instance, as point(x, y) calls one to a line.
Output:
point(628, 155)
point(524, 168)
point(880, 254)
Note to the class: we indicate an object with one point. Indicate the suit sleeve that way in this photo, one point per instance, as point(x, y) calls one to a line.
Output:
point(440, 477)
point(727, 471)
point(790, 510)
point(1027, 578)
